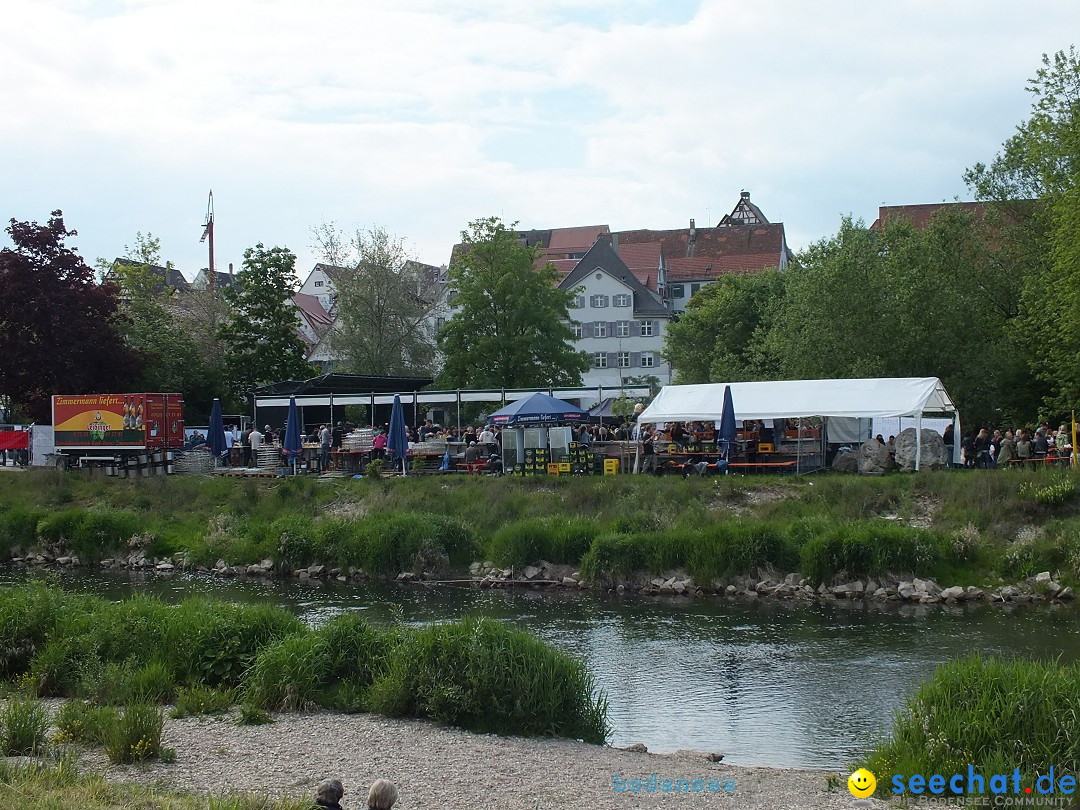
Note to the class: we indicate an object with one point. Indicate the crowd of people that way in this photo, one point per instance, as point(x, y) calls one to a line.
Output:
point(986, 448)
point(381, 795)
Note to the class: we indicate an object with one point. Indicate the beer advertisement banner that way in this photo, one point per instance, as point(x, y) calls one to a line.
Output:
point(99, 420)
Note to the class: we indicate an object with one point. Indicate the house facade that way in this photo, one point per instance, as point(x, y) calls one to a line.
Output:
point(616, 319)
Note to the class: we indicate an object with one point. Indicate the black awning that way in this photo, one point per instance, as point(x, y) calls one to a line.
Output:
point(345, 384)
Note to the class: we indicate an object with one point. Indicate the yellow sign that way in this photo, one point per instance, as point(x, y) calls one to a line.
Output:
point(861, 783)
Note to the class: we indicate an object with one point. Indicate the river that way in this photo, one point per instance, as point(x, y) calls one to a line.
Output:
point(765, 683)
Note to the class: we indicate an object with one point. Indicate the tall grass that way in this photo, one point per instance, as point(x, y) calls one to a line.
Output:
point(24, 722)
point(994, 714)
point(142, 652)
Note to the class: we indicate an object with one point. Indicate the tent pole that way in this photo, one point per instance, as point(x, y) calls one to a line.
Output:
point(955, 460)
point(798, 449)
point(918, 440)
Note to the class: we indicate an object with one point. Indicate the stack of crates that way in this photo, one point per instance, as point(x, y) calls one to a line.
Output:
point(611, 466)
point(579, 458)
point(536, 460)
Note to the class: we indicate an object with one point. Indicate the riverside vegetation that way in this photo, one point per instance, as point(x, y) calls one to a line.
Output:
point(964, 527)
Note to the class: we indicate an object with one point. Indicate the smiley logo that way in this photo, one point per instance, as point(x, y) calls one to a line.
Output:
point(861, 783)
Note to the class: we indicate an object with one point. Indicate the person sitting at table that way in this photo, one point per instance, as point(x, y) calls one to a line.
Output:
point(494, 464)
point(378, 445)
point(678, 437)
point(472, 454)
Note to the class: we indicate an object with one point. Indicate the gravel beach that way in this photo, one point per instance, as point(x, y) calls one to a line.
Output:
point(436, 767)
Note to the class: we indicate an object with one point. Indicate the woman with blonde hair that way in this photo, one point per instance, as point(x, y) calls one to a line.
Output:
point(382, 795)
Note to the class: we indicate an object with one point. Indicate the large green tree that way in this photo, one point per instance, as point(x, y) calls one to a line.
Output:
point(58, 332)
point(262, 344)
point(383, 304)
point(1034, 186)
point(512, 324)
point(721, 335)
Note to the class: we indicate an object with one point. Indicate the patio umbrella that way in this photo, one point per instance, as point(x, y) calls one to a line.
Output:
point(292, 444)
point(397, 441)
point(725, 439)
point(538, 409)
point(216, 434)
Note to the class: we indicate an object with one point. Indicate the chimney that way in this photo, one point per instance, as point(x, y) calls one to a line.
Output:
point(230, 268)
point(745, 195)
point(693, 230)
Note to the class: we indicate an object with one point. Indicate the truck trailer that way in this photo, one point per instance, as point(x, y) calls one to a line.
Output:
point(118, 431)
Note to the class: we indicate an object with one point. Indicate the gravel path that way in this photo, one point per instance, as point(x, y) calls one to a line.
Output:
point(438, 768)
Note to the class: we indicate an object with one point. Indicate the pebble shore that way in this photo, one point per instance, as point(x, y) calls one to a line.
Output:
point(439, 767)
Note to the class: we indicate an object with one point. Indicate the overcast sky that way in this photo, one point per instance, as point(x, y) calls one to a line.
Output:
point(422, 115)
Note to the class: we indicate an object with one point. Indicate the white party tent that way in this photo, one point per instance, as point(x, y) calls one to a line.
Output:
point(789, 399)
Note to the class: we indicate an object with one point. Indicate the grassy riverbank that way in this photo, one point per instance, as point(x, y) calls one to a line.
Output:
point(992, 714)
point(476, 674)
point(956, 526)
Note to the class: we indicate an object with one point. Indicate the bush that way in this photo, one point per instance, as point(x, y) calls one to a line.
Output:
point(872, 549)
point(18, 526)
point(557, 540)
point(482, 675)
point(199, 700)
point(81, 721)
point(288, 674)
point(135, 734)
point(993, 714)
point(24, 722)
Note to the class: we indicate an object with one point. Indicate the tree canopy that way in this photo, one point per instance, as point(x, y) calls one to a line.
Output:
point(260, 335)
point(383, 304)
point(512, 324)
point(58, 331)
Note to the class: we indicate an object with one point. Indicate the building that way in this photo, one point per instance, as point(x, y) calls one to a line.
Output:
point(920, 215)
point(617, 319)
point(167, 280)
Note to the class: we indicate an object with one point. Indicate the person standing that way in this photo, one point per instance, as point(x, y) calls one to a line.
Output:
point(256, 440)
point(325, 439)
point(648, 450)
point(245, 444)
point(1006, 450)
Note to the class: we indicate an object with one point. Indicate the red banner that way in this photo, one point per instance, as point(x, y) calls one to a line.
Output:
point(14, 440)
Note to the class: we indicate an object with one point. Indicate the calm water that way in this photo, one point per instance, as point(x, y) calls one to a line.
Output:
point(765, 683)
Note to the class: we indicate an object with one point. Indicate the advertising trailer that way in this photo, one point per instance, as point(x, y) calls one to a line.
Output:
point(117, 425)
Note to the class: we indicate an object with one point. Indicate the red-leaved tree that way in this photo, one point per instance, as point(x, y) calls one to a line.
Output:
point(57, 327)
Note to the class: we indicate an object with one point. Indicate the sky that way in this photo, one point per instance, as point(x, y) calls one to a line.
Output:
point(419, 116)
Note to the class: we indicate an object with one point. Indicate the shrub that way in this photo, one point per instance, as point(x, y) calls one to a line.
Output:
point(24, 722)
point(199, 700)
point(134, 734)
point(18, 526)
point(994, 714)
point(289, 673)
point(102, 531)
point(81, 721)
point(557, 540)
point(60, 526)
point(872, 548)
point(251, 715)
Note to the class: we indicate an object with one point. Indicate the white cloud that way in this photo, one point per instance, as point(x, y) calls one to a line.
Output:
point(562, 112)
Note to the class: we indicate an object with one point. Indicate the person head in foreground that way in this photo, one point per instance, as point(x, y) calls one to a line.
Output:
point(329, 793)
point(382, 795)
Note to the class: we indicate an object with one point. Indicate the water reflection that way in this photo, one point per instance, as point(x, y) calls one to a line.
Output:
point(766, 683)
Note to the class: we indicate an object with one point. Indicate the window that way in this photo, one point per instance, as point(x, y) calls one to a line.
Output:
point(622, 300)
point(440, 322)
point(646, 328)
point(318, 283)
point(694, 288)
point(576, 329)
point(647, 360)
point(677, 291)
point(578, 302)
point(450, 296)
point(599, 329)
point(622, 329)
point(624, 359)
point(600, 360)
point(598, 301)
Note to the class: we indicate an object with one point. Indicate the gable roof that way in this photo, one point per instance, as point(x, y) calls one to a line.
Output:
point(705, 267)
point(577, 239)
point(313, 310)
point(167, 276)
point(602, 256)
point(744, 213)
point(920, 215)
point(643, 259)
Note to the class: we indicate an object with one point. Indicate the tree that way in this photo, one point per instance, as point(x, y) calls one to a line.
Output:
point(1034, 183)
point(260, 334)
point(512, 328)
point(58, 332)
point(383, 303)
point(720, 337)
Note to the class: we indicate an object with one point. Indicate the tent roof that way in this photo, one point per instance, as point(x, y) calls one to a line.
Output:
point(897, 396)
point(537, 409)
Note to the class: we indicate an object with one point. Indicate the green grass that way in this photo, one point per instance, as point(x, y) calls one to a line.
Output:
point(142, 652)
point(994, 714)
point(24, 722)
point(830, 526)
point(60, 786)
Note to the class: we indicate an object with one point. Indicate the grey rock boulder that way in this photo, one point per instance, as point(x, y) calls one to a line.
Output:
point(934, 456)
point(846, 462)
point(874, 458)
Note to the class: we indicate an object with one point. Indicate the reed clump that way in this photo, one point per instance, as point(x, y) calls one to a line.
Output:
point(990, 713)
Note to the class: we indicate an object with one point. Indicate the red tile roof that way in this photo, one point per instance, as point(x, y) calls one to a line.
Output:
point(731, 240)
point(707, 267)
point(575, 240)
point(643, 260)
point(920, 215)
point(313, 310)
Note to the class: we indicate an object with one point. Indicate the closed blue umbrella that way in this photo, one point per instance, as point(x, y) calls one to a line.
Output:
point(292, 444)
point(397, 441)
point(725, 440)
point(216, 437)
